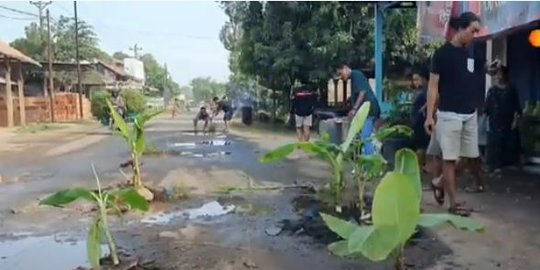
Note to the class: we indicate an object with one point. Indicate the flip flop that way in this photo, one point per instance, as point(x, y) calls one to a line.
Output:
point(459, 210)
point(438, 193)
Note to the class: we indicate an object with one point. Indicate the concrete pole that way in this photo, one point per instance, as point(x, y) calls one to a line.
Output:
point(22, 103)
point(9, 94)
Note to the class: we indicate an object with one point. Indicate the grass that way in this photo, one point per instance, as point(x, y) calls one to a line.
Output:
point(152, 150)
point(38, 127)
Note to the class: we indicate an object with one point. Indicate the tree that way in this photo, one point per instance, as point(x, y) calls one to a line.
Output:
point(120, 55)
point(204, 89)
point(31, 44)
point(64, 36)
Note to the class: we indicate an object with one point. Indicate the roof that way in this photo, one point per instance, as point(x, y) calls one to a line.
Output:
point(113, 68)
point(11, 52)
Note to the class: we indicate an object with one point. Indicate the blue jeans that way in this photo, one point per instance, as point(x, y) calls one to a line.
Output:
point(369, 128)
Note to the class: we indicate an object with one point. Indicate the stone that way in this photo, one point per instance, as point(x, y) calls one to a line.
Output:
point(146, 193)
point(273, 230)
point(168, 234)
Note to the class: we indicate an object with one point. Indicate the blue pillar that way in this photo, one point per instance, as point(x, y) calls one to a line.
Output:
point(379, 50)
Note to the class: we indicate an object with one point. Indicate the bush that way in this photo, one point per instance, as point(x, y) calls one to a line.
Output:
point(98, 105)
point(134, 100)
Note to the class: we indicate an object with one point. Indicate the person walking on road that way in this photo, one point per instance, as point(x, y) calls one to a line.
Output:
point(453, 80)
point(361, 92)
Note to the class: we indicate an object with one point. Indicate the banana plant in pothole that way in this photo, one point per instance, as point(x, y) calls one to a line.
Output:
point(135, 139)
point(395, 214)
point(334, 155)
point(106, 202)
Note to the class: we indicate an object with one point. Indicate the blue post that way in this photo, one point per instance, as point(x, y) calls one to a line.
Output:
point(379, 50)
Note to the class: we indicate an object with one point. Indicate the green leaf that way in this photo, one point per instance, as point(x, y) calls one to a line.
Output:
point(141, 119)
point(120, 123)
point(381, 242)
point(397, 205)
point(67, 196)
point(407, 163)
point(358, 237)
point(384, 134)
point(373, 165)
point(356, 126)
point(131, 197)
point(339, 248)
point(458, 222)
point(341, 227)
point(140, 141)
point(93, 244)
point(279, 153)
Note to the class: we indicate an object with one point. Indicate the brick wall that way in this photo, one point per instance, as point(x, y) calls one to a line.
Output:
point(38, 109)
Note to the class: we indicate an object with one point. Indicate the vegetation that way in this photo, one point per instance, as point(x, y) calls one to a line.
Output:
point(135, 140)
point(98, 105)
point(135, 101)
point(105, 202)
point(204, 89)
point(333, 154)
point(395, 214)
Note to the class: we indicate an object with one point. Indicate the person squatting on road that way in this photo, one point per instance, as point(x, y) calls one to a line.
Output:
point(303, 105)
point(361, 92)
point(223, 105)
point(453, 80)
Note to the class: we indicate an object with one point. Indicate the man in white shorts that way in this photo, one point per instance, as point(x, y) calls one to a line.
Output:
point(303, 106)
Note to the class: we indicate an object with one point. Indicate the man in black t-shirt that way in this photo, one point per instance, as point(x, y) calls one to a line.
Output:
point(202, 115)
point(453, 81)
point(303, 105)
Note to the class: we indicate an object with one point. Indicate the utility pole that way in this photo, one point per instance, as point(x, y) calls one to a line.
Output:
point(136, 50)
point(79, 85)
point(41, 7)
point(49, 56)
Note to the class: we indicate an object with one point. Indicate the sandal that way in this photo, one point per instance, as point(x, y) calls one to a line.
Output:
point(477, 189)
point(438, 193)
point(459, 210)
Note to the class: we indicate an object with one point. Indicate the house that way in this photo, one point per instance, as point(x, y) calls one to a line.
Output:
point(12, 98)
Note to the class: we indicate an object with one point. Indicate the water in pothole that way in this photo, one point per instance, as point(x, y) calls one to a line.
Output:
point(24, 252)
point(211, 209)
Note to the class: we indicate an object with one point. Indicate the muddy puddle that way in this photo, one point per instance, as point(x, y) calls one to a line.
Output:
point(22, 251)
point(207, 210)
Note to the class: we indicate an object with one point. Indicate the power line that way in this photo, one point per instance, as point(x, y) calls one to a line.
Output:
point(16, 18)
point(19, 11)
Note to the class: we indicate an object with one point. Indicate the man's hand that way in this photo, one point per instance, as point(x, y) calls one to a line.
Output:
point(429, 125)
point(351, 114)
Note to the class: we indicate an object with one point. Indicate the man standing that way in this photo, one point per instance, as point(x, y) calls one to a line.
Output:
point(453, 81)
point(361, 92)
point(303, 105)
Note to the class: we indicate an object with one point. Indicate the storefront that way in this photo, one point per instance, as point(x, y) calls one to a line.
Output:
point(504, 36)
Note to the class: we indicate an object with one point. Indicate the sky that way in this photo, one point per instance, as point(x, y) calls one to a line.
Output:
point(182, 34)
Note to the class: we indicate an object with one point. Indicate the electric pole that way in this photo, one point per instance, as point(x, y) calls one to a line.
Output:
point(49, 56)
point(79, 85)
point(41, 7)
point(136, 50)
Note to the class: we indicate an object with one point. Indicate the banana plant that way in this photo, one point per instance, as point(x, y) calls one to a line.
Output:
point(134, 138)
point(105, 202)
point(333, 154)
point(395, 214)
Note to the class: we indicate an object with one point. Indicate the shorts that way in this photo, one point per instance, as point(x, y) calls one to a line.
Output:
point(458, 138)
point(433, 149)
point(303, 121)
point(227, 116)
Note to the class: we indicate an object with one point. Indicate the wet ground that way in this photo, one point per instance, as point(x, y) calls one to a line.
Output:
point(226, 208)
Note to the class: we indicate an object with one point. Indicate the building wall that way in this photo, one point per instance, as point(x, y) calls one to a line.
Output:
point(38, 109)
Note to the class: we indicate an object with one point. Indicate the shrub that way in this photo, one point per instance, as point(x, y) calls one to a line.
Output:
point(134, 100)
point(98, 105)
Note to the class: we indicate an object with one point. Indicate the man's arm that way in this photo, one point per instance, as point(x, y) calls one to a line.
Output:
point(432, 95)
point(359, 100)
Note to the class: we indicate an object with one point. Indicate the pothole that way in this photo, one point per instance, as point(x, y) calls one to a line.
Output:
point(210, 209)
